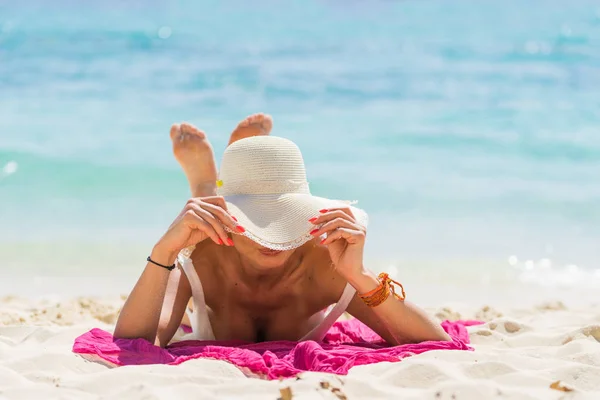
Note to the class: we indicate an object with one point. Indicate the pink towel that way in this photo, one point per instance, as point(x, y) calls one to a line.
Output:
point(347, 344)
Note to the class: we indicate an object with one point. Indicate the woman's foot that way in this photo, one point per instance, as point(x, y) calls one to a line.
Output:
point(195, 155)
point(254, 125)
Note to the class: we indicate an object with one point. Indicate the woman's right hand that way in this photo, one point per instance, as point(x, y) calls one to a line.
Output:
point(201, 218)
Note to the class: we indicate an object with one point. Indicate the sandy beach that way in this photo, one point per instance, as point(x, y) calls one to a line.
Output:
point(468, 131)
point(519, 354)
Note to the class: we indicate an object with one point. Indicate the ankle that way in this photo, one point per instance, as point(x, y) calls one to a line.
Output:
point(204, 189)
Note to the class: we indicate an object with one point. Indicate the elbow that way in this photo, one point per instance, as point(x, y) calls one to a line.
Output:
point(132, 335)
point(444, 337)
point(439, 335)
point(121, 332)
point(118, 332)
point(436, 336)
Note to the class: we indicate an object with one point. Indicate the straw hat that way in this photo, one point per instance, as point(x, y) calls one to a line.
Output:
point(263, 181)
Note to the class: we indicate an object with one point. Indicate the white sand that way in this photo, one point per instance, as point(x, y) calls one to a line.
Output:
point(519, 354)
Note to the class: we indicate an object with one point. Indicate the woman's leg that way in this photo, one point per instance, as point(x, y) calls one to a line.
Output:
point(195, 154)
point(254, 125)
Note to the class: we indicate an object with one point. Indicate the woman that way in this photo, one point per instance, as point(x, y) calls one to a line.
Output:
point(269, 257)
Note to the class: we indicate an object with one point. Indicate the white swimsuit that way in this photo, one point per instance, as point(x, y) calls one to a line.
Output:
point(202, 329)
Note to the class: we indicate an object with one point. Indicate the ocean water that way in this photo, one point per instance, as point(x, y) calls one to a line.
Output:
point(469, 130)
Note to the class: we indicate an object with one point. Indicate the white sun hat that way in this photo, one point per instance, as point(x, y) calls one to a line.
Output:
point(263, 181)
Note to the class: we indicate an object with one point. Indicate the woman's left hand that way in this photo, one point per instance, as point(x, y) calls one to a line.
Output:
point(345, 239)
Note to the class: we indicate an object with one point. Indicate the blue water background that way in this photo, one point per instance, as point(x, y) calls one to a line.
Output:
point(469, 130)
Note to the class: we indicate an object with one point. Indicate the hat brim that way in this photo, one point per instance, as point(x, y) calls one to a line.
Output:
point(281, 221)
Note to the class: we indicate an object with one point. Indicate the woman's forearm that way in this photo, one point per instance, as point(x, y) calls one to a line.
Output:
point(141, 312)
point(406, 322)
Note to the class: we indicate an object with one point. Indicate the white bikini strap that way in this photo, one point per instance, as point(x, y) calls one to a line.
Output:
point(318, 332)
point(199, 320)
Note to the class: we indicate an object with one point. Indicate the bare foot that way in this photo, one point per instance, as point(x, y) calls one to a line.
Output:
point(195, 155)
point(254, 125)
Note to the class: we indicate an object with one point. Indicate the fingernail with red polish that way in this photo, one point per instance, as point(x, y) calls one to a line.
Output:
point(220, 241)
point(323, 210)
point(323, 241)
point(240, 229)
point(229, 241)
point(234, 218)
point(313, 219)
point(313, 231)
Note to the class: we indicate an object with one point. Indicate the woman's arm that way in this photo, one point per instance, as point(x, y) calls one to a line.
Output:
point(397, 321)
point(157, 289)
point(394, 320)
point(140, 317)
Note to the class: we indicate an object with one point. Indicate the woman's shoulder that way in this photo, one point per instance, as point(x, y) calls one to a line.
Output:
point(206, 257)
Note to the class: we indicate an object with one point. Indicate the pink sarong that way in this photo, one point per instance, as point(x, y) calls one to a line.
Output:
point(347, 344)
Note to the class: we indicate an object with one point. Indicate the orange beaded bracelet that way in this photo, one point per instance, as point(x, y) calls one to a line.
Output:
point(378, 295)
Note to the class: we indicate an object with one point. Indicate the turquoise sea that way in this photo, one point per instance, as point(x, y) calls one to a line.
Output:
point(469, 130)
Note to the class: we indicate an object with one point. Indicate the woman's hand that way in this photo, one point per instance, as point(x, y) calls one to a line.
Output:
point(201, 218)
point(345, 239)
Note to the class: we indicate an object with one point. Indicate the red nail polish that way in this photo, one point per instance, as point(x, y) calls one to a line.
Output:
point(229, 241)
point(323, 210)
point(240, 229)
point(323, 241)
point(234, 218)
point(313, 231)
point(313, 219)
point(220, 241)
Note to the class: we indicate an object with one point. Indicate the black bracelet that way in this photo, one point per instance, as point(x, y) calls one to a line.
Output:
point(169, 267)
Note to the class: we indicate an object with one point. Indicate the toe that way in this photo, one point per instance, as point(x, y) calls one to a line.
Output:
point(191, 130)
point(175, 131)
point(262, 119)
point(247, 121)
point(267, 123)
point(187, 128)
